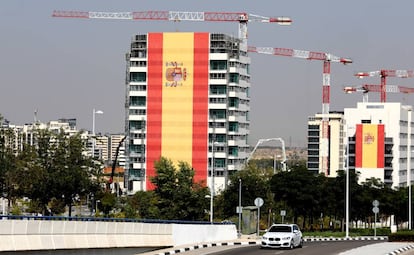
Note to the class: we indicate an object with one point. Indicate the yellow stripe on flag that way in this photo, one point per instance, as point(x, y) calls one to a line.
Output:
point(369, 146)
point(177, 96)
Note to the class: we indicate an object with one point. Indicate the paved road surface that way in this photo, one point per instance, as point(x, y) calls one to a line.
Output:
point(367, 248)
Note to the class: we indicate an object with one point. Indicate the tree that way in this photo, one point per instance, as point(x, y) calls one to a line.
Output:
point(55, 169)
point(7, 162)
point(299, 189)
point(142, 205)
point(75, 174)
point(255, 183)
point(178, 196)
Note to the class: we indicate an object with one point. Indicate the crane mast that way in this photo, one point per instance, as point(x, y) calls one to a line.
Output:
point(384, 74)
point(327, 58)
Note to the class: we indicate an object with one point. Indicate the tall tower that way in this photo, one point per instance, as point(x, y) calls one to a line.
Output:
point(187, 99)
point(336, 134)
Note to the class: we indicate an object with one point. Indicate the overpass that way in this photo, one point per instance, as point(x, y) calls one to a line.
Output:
point(30, 233)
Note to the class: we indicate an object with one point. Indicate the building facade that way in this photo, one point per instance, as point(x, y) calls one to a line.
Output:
point(336, 159)
point(187, 99)
point(381, 135)
point(374, 139)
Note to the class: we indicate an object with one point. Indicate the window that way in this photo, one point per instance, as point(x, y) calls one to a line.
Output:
point(218, 89)
point(137, 101)
point(138, 77)
point(234, 77)
point(233, 126)
point(218, 65)
point(234, 102)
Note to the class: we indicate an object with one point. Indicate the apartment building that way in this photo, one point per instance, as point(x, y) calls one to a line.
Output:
point(375, 139)
point(187, 99)
point(336, 159)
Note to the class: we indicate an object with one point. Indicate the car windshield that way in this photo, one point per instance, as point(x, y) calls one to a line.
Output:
point(286, 229)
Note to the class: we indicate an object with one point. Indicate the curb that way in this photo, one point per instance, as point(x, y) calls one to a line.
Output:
point(201, 246)
point(401, 250)
point(359, 238)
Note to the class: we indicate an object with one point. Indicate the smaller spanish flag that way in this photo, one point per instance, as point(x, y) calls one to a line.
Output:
point(369, 146)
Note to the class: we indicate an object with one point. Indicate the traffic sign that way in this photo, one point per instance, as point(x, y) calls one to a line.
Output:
point(258, 202)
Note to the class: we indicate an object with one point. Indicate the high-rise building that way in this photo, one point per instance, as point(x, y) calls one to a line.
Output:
point(381, 136)
point(375, 139)
point(187, 99)
point(336, 143)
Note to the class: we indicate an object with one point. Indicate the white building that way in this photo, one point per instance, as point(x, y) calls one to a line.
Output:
point(187, 94)
point(381, 136)
point(336, 159)
point(376, 136)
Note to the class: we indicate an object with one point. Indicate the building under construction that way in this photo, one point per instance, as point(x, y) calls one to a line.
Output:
point(187, 99)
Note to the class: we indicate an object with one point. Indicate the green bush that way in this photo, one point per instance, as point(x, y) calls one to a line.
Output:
point(401, 236)
point(352, 232)
point(370, 231)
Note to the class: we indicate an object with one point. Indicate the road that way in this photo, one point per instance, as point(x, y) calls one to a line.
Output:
point(310, 248)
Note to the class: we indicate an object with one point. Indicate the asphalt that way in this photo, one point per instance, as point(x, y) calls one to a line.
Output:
point(382, 248)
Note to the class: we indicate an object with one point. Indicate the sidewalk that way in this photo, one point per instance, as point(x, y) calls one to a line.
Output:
point(386, 248)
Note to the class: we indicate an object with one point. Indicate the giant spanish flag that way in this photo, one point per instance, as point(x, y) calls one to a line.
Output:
point(369, 146)
point(177, 101)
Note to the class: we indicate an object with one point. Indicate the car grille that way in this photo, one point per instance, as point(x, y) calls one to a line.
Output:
point(274, 239)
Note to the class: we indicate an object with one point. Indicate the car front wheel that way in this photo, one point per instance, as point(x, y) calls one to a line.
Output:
point(301, 243)
point(291, 245)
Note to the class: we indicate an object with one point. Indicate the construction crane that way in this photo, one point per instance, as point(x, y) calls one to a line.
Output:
point(384, 74)
point(283, 162)
point(327, 58)
point(241, 17)
point(364, 89)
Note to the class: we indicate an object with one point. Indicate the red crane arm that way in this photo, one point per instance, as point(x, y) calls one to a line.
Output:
point(387, 73)
point(173, 16)
point(305, 54)
point(378, 88)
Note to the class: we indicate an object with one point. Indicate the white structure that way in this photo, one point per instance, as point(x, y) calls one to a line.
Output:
point(115, 139)
point(212, 124)
point(391, 166)
point(336, 159)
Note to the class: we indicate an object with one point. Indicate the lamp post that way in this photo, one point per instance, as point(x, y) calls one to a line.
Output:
point(239, 210)
point(93, 129)
point(212, 186)
point(409, 110)
point(347, 186)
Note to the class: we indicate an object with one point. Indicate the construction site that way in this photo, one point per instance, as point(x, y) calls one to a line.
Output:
point(187, 98)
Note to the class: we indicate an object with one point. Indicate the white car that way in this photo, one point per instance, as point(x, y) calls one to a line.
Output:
point(282, 236)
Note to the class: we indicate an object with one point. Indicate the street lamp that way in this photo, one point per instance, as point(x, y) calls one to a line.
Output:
point(212, 186)
point(239, 209)
point(347, 185)
point(93, 129)
point(409, 110)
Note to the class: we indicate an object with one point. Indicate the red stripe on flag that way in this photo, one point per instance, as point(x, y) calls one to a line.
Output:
point(200, 106)
point(154, 104)
point(381, 147)
point(359, 140)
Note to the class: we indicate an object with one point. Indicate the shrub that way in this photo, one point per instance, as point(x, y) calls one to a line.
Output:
point(401, 236)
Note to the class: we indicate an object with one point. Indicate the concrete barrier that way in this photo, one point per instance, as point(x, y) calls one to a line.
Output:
point(33, 234)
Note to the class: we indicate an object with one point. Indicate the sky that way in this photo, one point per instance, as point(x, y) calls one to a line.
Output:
point(65, 68)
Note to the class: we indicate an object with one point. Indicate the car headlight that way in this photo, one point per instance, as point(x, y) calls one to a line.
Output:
point(264, 237)
point(286, 238)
